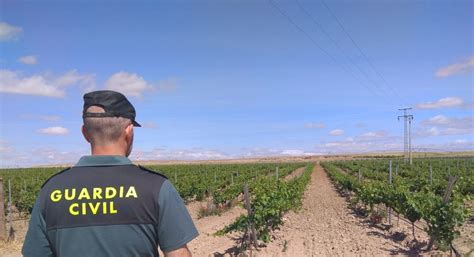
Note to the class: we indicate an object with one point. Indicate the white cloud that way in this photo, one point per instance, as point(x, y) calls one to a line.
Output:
point(458, 131)
point(271, 152)
point(86, 81)
point(456, 68)
point(456, 145)
point(441, 125)
point(54, 131)
point(447, 102)
point(9, 32)
point(52, 156)
point(42, 156)
point(293, 152)
point(209, 154)
point(374, 134)
point(365, 142)
point(11, 82)
point(7, 154)
point(441, 120)
point(317, 125)
point(437, 120)
point(358, 145)
point(432, 131)
point(5, 148)
point(29, 59)
point(178, 154)
point(369, 134)
point(43, 85)
point(336, 132)
point(129, 84)
point(49, 155)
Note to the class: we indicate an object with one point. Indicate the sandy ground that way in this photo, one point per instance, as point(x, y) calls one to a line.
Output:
point(465, 242)
point(296, 173)
point(206, 244)
point(13, 249)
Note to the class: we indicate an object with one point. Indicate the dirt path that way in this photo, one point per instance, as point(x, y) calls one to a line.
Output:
point(296, 173)
point(206, 244)
point(325, 227)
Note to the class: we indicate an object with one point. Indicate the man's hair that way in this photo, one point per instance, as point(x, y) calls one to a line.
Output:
point(104, 130)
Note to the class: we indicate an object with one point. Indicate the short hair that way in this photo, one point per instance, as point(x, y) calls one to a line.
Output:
point(104, 130)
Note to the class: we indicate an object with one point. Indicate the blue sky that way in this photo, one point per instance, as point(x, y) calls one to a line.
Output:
point(227, 79)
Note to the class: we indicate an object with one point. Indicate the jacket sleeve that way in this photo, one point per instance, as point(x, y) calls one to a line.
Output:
point(175, 226)
point(36, 240)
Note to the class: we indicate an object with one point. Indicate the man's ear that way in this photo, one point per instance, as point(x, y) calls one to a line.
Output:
point(85, 134)
point(129, 132)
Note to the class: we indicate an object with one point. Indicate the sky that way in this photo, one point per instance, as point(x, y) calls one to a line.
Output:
point(232, 79)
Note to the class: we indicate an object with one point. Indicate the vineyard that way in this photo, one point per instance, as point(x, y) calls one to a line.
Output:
point(222, 182)
point(271, 192)
point(417, 192)
point(379, 189)
point(271, 199)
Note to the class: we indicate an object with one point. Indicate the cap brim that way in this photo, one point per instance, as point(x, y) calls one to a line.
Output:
point(135, 124)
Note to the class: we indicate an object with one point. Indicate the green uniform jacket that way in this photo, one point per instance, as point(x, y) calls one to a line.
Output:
point(106, 206)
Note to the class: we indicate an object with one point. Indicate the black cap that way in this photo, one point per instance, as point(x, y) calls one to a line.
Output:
point(114, 103)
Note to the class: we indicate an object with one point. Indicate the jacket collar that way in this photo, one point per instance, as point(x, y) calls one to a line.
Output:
point(102, 160)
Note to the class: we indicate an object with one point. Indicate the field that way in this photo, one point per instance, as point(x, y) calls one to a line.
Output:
point(307, 207)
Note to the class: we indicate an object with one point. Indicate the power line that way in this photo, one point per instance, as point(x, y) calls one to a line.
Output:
point(300, 28)
point(318, 24)
point(360, 49)
point(318, 45)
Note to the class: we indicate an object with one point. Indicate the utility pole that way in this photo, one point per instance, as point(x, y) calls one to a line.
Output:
point(407, 134)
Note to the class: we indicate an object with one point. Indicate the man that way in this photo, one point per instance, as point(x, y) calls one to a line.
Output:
point(105, 205)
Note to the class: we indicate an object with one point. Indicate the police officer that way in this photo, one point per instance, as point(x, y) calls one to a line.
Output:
point(105, 205)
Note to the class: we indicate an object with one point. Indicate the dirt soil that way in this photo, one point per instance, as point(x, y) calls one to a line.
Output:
point(206, 244)
point(13, 249)
point(296, 173)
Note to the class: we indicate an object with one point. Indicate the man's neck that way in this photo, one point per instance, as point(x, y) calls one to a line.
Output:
point(107, 150)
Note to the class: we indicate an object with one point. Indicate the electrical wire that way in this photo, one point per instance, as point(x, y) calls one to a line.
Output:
point(290, 20)
point(360, 49)
point(324, 31)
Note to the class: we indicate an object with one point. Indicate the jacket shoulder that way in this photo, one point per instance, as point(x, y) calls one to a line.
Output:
point(151, 171)
point(60, 172)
